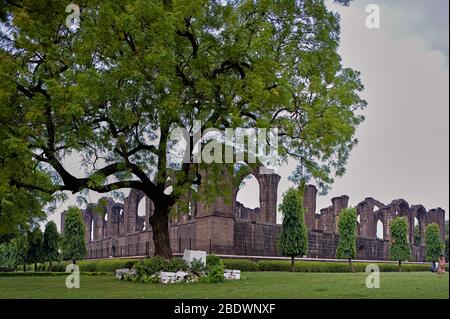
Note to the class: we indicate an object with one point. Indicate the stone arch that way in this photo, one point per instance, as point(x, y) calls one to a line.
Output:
point(268, 189)
point(91, 230)
point(419, 213)
point(358, 222)
point(400, 208)
point(251, 183)
point(382, 218)
point(380, 229)
point(141, 214)
point(367, 211)
point(131, 210)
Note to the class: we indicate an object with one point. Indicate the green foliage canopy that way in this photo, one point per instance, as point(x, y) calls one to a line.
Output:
point(112, 91)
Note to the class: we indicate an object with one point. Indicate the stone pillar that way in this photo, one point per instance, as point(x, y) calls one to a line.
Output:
point(87, 220)
point(437, 216)
point(98, 226)
point(63, 217)
point(338, 204)
point(366, 222)
point(309, 202)
point(268, 188)
point(386, 217)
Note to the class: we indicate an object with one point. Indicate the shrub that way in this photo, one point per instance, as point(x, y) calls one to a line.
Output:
point(150, 266)
point(154, 279)
point(213, 260)
point(196, 267)
point(176, 264)
point(240, 264)
point(215, 274)
point(57, 267)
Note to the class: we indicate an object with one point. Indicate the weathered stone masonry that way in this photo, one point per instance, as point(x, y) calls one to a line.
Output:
point(228, 227)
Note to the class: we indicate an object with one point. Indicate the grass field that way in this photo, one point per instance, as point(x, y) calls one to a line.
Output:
point(276, 285)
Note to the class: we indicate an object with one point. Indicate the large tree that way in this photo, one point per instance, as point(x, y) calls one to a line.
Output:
point(50, 245)
point(293, 239)
point(347, 224)
point(399, 248)
point(112, 90)
point(73, 245)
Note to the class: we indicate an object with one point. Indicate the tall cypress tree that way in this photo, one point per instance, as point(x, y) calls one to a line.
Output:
point(74, 247)
point(51, 243)
point(293, 240)
point(347, 235)
point(434, 245)
point(399, 249)
point(34, 253)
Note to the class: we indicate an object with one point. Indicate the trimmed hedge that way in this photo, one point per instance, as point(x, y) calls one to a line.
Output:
point(110, 265)
point(48, 274)
point(334, 267)
point(107, 265)
point(240, 264)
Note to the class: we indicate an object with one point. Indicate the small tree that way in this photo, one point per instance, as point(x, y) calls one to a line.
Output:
point(399, 249)
point(74, 247)
point(434, 245)
point(347, 235)
point(293, 240)
point(50, 244)
point(34, 253)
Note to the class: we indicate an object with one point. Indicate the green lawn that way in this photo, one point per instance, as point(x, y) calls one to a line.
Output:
point(252, 285)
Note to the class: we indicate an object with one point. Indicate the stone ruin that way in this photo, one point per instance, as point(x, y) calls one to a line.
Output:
point(230, 228)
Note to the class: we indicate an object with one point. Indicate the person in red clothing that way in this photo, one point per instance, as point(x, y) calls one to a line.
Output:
point(441, 267)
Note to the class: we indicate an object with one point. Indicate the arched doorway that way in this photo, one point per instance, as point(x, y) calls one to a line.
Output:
point(248, 193)
point(380, 229)
point(141, 223)
point(247, 199)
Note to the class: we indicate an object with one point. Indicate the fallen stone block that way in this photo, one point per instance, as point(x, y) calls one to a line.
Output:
point(191, 255)
point(121, 272)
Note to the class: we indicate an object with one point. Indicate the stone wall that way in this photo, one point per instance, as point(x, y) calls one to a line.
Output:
point(228, 227)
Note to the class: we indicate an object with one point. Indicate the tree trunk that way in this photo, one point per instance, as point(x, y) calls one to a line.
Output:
point(292, 263)
point(399, 265)
point(351, 265)
point(35, 267)
point(160, 228)
point(50, 266)
point(74, 261)
point(24, 268)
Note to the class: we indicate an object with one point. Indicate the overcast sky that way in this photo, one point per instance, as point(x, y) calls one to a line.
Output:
point(404, 147)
